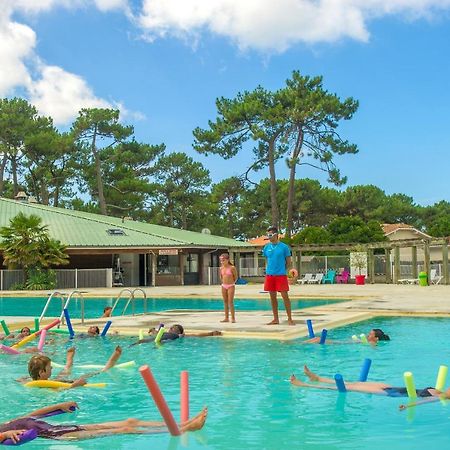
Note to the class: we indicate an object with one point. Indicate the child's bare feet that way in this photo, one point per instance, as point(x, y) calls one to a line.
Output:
point(311, 375)
point(295, 381)
point(195, 423)
point(291, 322)
point(233, 320)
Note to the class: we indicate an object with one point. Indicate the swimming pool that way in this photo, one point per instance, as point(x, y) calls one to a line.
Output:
point(251, 403)
point(32, 306)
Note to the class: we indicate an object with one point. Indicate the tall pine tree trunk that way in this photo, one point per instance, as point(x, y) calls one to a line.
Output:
point(273, 184)
point(2, 173)
point(98, 172)
point(291, 186)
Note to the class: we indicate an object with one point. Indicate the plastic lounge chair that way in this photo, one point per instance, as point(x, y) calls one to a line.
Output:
point(343, 277)
point(329, 277)
point(434, 278)
point(307, 277)
point(317, 279)
point(408, 281)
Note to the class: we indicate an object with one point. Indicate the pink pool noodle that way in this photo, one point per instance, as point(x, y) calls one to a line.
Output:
point(11, 351)
point(47, 327)
point(159, 400)
point(184, 395)
point(42, 340)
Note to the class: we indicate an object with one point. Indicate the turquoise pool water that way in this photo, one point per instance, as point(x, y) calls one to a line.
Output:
point(93, 307)
point(251, 403)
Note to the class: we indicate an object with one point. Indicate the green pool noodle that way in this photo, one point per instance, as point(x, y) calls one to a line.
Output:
point(363, 338)
point(410, 386)
point(5, 328)
point(158, 337)
point(36, 325)
point(440, 380)
point(355, 338)
point(59, 331)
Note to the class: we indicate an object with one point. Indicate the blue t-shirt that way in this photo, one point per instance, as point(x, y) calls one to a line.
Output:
point(276, 255)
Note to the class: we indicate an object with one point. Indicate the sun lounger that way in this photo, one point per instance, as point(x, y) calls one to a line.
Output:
point(307, 277)
point(408, 281)
point(317, 279)
point(434, 277)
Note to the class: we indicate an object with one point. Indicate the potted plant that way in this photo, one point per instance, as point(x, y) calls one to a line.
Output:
point(358, 259)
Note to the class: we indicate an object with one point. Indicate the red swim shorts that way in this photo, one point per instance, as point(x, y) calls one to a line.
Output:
point(276, 283)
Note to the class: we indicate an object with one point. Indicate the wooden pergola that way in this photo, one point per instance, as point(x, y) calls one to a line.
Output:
point(388, 246)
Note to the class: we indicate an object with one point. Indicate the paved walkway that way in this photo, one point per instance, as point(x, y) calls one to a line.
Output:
point(364, 302)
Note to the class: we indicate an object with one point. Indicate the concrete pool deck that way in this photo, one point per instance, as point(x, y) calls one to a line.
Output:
point(364, 303)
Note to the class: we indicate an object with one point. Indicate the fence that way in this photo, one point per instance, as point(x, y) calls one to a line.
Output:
point(65, 278)
point(321, 264)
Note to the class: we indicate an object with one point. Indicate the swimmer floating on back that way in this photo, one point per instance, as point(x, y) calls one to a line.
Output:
point(370, 387)
point(375, 335)
point(14, 428)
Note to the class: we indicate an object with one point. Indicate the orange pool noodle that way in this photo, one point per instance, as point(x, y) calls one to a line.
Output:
point(159, 400)
point(184, 396)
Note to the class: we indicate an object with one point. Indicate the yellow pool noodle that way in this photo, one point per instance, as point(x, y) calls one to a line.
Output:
point(52, 384)
point(141, 334)
point(25, 341)
point(410, 386)
point(441, 377)
point(158, 337)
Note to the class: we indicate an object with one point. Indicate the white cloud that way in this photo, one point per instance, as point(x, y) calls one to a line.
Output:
point(16, 45)
point(269, 25)
point(61, 94)
point(54, 91)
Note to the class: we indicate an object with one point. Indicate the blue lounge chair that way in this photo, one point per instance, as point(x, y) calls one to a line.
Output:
point(329, 277)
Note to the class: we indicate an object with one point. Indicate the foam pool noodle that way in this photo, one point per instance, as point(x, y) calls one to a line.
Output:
point(410, 386)
point(5, 328)
point(363, 338)
point(441, 377)
point(158, 337)
point(340, 383)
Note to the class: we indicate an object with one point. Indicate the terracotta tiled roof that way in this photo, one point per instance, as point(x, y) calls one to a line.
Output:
point(389, 228)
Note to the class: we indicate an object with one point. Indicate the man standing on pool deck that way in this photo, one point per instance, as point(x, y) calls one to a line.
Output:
point(278, 257)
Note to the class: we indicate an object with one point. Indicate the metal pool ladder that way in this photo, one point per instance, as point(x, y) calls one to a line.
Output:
point(64, 303)
point(131, 299)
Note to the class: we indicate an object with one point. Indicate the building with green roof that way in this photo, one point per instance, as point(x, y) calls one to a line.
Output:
point(138, 253)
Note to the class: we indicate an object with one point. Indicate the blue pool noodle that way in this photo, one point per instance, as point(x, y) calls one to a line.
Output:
point(310, 329)
point(323, 336)
point(69, 323)
point(105, 330)
point(340, 383)
point(365, 369)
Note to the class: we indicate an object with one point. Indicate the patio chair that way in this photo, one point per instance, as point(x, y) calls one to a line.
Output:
point(329, 277)
point(343, 276)
point(317, 279)
point(306, 278)
point(434, 277)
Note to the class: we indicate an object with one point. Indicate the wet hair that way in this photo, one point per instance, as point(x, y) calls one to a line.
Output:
point(379, 333)
point(106, 308)
point(37, 364)
point(178, 327)
point(25, 328)
point(97, 329)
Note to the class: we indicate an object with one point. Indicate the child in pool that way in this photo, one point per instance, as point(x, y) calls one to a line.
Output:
point(40, 368)
point(14, 428)
point(370, 387)
point(228, 276)
point(374, 335)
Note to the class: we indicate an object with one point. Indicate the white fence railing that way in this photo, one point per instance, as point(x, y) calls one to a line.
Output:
point(65, 278)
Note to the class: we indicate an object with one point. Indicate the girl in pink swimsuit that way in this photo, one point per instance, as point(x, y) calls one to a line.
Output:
point(228, 275)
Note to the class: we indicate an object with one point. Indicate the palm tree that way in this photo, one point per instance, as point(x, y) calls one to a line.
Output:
point(27, 245)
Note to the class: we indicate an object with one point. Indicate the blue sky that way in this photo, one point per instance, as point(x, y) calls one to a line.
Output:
point(165, 68)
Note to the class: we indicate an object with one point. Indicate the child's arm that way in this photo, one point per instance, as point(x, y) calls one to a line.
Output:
point(418, 402)
point(48, 409)
point(234, 272)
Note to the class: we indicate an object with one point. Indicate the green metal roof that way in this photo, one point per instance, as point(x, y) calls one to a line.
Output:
point(82, 229)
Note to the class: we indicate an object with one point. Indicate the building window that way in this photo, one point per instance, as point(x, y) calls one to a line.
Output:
point(115, 232)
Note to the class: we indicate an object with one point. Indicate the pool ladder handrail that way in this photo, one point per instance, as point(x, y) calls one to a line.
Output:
point(47, 304)
point(66, 305)
point(131, 298)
